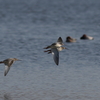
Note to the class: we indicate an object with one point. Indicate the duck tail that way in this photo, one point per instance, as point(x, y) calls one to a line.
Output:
point(47, 47)
point(49, 51)
point(1, 62)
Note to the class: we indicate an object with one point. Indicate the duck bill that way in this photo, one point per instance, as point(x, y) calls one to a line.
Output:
point(62, 44)
point(67, 48)
point(19, 60)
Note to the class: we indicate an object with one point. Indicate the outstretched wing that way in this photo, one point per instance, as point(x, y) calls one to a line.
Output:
point(7, 67)
point(55, 55)
point(6, 70)
point(60, 40)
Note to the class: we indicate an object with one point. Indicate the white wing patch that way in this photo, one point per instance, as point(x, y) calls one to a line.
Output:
point(6, 70)
point(55, 55)
point(90, 38)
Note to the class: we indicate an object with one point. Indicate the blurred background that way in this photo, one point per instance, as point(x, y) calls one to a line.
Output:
point(27, 26)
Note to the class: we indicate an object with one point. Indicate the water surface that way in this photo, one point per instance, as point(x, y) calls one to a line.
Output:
point(27, 26)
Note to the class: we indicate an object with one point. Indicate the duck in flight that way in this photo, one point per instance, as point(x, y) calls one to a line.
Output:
point(55, 48)
point(8, 62)
point(58, 44)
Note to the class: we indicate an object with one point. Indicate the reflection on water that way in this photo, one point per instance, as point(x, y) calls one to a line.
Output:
point(7, 96)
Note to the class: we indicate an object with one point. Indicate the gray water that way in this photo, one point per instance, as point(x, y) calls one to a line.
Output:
point(27, 26)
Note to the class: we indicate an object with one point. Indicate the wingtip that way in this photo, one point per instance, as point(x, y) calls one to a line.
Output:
point(57, 63)
point(46, 47)
point(5, 74)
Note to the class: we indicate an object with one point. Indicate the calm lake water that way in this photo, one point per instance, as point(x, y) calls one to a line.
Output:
point(27, 26)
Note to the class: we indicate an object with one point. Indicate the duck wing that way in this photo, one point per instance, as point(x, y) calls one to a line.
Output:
point(55, 53)
point(6, 70)
point(7, 67)
point(60, 40)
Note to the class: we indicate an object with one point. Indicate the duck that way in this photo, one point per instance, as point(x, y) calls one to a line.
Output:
point(54, 49)
point(85, 37)
point(8, 62)
point(70, 39)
